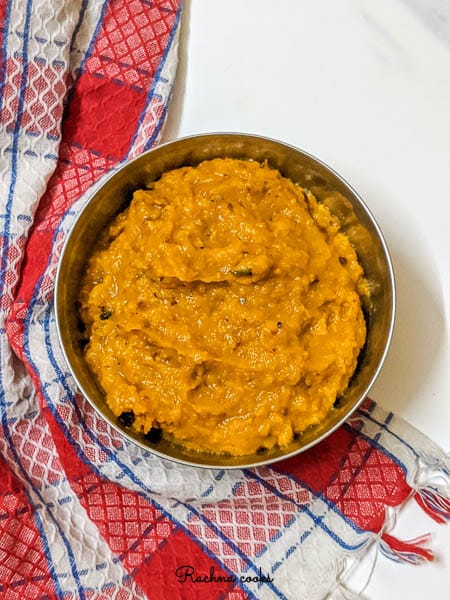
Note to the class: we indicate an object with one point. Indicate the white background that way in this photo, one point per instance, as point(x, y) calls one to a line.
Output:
point(365, 86)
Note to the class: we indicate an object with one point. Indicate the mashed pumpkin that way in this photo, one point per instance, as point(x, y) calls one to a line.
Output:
point(223, 309)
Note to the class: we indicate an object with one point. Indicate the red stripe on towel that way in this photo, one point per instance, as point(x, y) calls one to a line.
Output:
point(354, 474)
point(24, 570)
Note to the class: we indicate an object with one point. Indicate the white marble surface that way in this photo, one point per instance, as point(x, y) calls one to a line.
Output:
point(365, 86)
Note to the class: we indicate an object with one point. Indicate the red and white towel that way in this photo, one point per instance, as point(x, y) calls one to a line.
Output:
point(84, 85)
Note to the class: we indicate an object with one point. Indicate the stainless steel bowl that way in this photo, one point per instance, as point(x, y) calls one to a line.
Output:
point(328, 187)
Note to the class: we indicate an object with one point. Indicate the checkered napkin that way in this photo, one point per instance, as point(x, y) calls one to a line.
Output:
point(85, 85)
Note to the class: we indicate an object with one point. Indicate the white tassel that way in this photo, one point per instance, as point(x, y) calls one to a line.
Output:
point(342, 593)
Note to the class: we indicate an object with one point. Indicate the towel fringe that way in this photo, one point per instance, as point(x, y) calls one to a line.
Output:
point(413, 552)
point(437, 464)
point(342, 593)
point(434, 502)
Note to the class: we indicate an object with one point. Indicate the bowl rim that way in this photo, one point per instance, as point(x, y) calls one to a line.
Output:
point(389, 333)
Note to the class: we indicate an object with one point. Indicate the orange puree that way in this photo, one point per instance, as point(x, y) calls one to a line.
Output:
point(223, 308)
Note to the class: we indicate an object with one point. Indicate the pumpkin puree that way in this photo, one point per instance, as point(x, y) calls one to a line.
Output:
point(223, 308)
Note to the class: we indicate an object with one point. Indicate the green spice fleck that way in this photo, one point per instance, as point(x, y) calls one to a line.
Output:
point(242, 273)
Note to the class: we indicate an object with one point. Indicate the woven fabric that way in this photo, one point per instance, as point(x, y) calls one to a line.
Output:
point(85, 85)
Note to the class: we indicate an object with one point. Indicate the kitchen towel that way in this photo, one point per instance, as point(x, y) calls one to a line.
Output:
point(85, 85)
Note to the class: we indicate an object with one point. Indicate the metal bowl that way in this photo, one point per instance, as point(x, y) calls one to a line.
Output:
point(329, 188)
